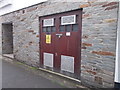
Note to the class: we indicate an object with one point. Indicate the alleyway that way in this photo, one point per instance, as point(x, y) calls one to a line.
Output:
point(16, 77)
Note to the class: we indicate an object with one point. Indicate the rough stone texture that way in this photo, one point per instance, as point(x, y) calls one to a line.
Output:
point(99, 27)
point(99, 40)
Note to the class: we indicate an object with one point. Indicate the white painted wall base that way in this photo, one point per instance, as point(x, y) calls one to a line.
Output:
point(117, 64)
point(0, 37)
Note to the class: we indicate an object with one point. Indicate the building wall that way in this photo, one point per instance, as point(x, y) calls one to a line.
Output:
point(99, 28)
point(99, 40)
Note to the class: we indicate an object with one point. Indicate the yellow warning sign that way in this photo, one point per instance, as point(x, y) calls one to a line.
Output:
point(48, 39)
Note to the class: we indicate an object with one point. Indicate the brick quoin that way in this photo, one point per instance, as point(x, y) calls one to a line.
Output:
point(110, 20)
point(103, 53)
point(31, 9)
point(84, 5)
point(110, 4)
point(31, 31)
point(85, 15)
point(37, 35)
point(113, 7)
point(92, 72)
point(86, 44)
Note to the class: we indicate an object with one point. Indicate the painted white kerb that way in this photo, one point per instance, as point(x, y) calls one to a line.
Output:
point(117, 63)
point(0, 37)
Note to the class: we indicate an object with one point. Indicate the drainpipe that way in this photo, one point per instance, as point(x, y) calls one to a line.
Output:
point(117, 63)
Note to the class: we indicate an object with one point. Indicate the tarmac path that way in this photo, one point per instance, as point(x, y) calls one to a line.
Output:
point(16, 77)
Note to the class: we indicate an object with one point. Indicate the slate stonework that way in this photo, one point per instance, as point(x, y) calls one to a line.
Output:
point(99, 28)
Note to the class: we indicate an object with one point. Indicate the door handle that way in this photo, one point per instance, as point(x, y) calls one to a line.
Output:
point(59, 35)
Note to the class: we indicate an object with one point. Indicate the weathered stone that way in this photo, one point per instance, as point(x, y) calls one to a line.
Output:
point(110, 4)
point(103, 53)
point(22, 19)
point(98, 80)
point(84, 5)
point(30, 30)
point(105, 84)
point(31, 9)
point(85, 15)
point(110, 20)
point(83, 48)
point(87, 44)
point(110, 8)
point(90, 71)
point(99, 4)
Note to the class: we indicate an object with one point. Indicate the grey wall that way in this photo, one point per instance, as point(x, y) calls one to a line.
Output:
point(7, 38)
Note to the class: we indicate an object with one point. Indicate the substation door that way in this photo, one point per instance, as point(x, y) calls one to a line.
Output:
point(60, 42)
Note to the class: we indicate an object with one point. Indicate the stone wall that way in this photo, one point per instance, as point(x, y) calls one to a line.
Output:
point(98, 43)
point(99, 25)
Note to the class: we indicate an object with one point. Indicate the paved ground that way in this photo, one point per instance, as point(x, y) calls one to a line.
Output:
point(16, 77)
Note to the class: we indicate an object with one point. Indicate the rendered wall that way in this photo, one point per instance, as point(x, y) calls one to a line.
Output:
point(117, 65)
point(119, 48)
point(99, 28)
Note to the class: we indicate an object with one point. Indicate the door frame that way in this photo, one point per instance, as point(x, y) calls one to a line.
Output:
point(79, 54)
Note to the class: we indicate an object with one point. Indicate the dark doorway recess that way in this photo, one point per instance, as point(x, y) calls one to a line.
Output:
point(7, 38)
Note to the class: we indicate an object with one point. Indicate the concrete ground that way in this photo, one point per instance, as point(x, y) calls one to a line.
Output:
point(19, 75)
point(16, 77)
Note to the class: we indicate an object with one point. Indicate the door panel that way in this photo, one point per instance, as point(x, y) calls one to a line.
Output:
point(60, 42)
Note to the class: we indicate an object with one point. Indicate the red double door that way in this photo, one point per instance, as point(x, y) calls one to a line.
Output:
point(60, 41)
